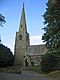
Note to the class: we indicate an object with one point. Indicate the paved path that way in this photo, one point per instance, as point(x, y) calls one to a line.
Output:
point(25, 76)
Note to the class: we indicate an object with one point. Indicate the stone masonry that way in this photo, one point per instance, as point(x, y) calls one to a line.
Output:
point(24, 52)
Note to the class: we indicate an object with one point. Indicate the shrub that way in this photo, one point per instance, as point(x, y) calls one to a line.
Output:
point(48, 62)
point(57, 55)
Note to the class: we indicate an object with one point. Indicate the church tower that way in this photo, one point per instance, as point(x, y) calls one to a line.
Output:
point(21, 40)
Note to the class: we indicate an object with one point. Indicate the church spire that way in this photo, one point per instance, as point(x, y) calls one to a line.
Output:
point(23, 27)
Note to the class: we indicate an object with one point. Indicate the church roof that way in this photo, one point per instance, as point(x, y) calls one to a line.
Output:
point(36, 50)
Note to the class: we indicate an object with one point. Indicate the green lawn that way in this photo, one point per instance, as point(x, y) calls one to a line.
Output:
point(17, 69)
point(54, 74)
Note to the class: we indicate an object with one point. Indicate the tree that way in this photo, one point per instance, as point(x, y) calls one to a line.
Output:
point(52, 28)
point(6, 56)
point(2, 20)
point(52, 36)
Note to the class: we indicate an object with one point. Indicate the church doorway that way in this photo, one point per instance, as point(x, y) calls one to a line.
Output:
point(26, 62)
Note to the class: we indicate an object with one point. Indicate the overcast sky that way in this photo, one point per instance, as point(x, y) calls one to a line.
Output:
point(11, 9)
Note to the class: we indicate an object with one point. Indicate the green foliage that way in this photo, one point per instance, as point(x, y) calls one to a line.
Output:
point(51, 60)
point(48, 62)
point(52, 28)
point(57, 55)
point(6, 56)
point(31, 68)
point(2, 20)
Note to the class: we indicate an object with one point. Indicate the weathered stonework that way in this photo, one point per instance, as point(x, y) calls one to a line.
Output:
point(25, 54)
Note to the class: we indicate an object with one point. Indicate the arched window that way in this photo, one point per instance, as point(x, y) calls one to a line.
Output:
point(20, 37)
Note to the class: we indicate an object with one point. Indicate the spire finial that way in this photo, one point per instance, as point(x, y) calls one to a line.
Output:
point(23, 3)
point(22, 27)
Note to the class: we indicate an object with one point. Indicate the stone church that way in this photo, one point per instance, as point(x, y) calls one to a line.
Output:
point(26, 54)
